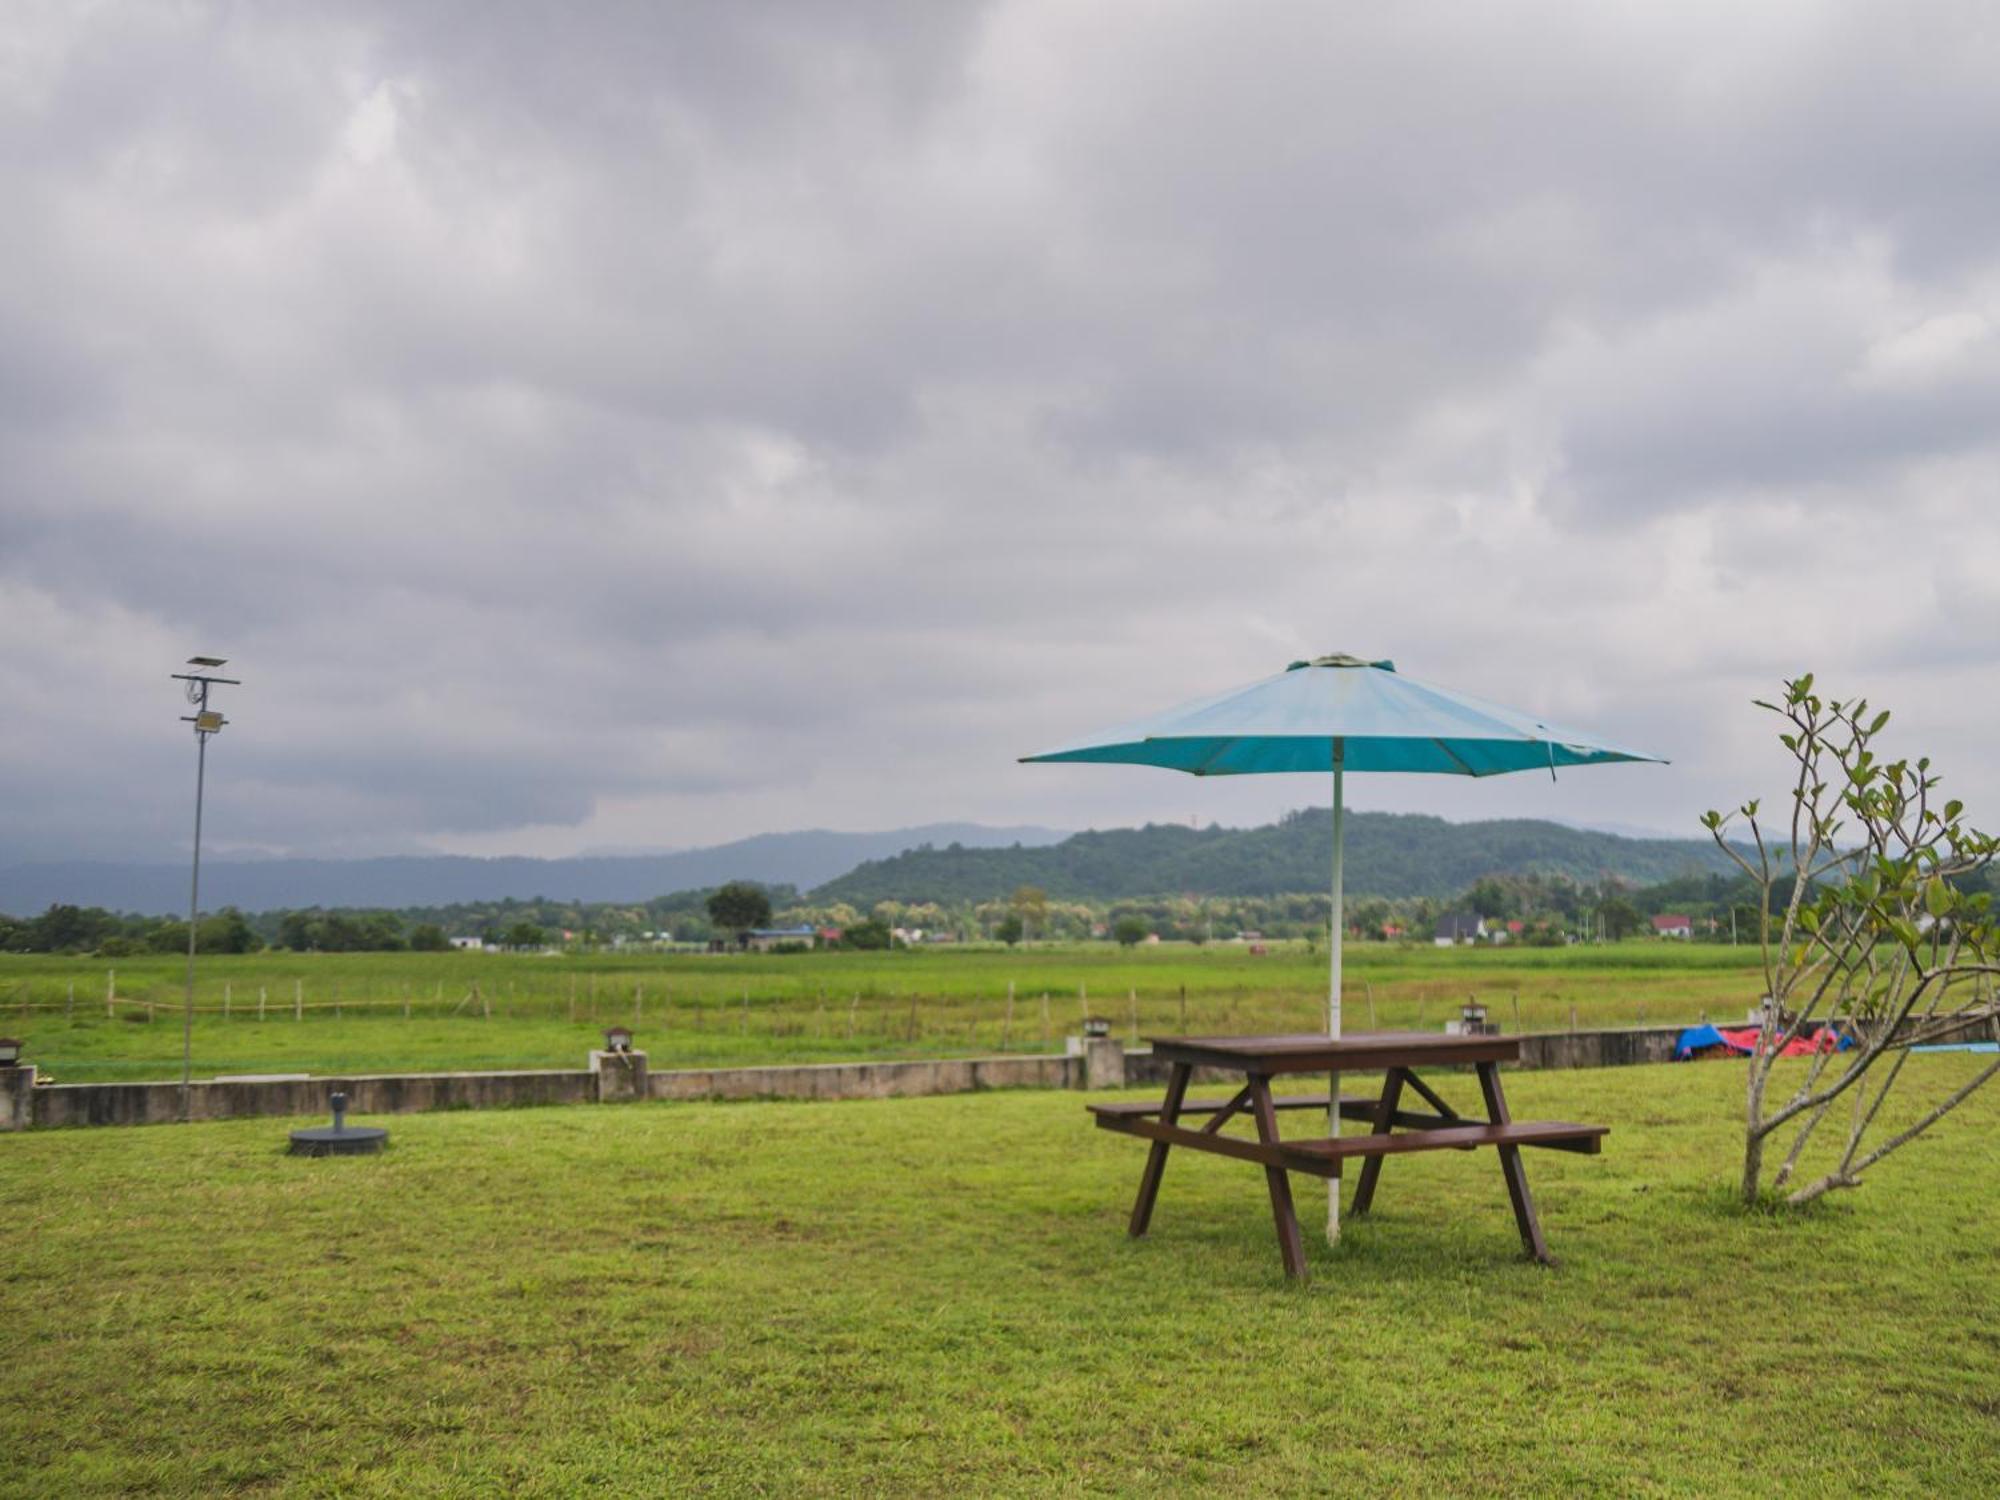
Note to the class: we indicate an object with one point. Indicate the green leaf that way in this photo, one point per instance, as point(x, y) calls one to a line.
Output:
point(1937, 898)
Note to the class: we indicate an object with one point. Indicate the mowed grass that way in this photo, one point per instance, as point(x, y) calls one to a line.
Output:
point(321, 1013)
point(919, 1297)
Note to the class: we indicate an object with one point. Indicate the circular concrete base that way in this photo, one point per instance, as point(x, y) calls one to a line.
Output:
point(349, 1140)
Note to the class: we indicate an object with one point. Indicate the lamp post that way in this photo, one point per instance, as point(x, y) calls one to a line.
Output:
point(206, 722)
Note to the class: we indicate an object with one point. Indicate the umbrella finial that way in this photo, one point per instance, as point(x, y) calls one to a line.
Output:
point(1341, 659)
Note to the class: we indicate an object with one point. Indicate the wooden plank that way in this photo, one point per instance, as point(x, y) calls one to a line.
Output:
point(1363, 1052)
point(1282, 1155)
point(1512, 1169)
point(1554, 1134)
point(1228, 1111)
point(1430, 1096)
point(1156, 1159)
point(1291, 1246)
point(1351, 1108)
point(1385, 1115)
point(1320, 1157)
point(1361, 1105)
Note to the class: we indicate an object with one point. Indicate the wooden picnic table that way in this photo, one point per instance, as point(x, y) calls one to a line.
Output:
point(1392, 1129)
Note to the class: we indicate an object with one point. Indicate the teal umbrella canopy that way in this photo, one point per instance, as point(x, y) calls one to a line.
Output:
point(1342, 711)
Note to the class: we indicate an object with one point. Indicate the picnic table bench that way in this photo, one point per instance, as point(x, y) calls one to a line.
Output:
point(1392, 1129)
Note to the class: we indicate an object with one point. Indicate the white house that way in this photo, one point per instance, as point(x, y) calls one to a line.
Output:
point(1459, 927)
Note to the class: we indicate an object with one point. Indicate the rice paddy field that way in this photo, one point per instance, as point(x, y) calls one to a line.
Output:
point(89, 1020)
point(937, 1296)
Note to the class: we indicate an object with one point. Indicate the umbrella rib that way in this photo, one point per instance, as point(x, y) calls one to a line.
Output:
point(1456, 759)
point(1221, 749)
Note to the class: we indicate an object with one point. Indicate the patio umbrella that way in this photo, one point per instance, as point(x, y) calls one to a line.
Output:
point(1341, 714)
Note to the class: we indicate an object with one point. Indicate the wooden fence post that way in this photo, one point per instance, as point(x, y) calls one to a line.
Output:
point(263, 995)
point(298, 999)
point(110, 992)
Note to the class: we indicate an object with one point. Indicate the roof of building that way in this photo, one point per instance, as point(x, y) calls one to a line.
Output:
point(1666, 922)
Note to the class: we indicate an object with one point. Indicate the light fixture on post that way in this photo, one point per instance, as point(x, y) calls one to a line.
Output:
point(206, 722)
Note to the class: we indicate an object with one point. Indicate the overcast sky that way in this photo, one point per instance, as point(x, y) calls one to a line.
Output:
point(630, 426)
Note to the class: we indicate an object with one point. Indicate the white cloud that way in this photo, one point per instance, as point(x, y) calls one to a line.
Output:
point(664, 425)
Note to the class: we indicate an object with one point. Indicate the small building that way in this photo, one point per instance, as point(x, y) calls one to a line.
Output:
point(1457, 927)
point(764, 939)
point(1670, 925)
point(468, 944)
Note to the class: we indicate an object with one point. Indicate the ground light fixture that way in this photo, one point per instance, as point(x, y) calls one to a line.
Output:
point(206, 721)
point(339, 1138)
point(10, 1052)
point(618, 1039)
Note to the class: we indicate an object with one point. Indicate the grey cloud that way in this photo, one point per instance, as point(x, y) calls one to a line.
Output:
point(645, 426)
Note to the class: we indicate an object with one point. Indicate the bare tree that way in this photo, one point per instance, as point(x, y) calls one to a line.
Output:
point(1870, 931)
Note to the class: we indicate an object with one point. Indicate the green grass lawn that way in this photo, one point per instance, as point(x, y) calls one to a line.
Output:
point(937, 1295)
point(325, 1013)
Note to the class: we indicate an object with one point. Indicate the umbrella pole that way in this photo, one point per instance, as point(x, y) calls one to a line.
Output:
point(1334, 932)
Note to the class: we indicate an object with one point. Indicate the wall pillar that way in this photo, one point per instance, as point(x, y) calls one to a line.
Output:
point(621, 1076)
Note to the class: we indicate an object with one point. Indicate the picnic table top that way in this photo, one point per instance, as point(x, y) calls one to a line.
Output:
point(1317, 1053)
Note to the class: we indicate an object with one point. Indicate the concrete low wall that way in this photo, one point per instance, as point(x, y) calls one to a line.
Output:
point(870, 1080)
point(1099, 1063)
point(382, 1094)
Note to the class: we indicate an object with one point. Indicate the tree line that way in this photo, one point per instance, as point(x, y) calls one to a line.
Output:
point(1550, 908)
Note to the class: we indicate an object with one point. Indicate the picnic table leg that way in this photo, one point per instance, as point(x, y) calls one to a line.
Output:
point(1290, 1245)
point(1156, 1159)
point(1385, 1114)
point(1511, 1168)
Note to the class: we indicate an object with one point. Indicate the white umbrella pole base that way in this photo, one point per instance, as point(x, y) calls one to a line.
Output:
point(1333, 1183)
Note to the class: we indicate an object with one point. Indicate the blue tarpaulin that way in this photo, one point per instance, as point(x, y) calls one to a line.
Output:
point(1741, 1041)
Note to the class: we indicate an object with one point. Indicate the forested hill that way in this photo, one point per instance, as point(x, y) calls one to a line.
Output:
point(1396, 855)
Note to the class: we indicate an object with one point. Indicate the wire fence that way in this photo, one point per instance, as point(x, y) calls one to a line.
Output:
point(1007, 1021)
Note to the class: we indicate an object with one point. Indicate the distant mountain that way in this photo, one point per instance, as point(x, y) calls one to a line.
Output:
point(1397, 855)
point(801, 859)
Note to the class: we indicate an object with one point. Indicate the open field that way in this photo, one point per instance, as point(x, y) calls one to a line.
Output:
point(325, 1013)
point(936, 1295)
